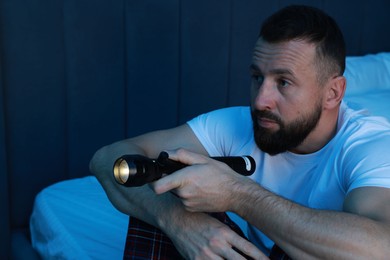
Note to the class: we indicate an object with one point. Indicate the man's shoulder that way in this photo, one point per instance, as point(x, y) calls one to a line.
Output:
point(235, 120)
point(227, 114)
point(234, 110)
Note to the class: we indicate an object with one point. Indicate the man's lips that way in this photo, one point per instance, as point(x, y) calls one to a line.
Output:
point(267, 123)
point(266, 120)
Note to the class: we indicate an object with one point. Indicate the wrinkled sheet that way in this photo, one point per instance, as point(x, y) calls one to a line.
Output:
point(74, 219)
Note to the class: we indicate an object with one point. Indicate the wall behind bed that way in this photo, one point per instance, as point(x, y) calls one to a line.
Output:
point(77, 74)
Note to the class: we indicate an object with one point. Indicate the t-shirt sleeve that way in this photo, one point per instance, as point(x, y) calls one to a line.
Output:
point(368, 161)
point(223, 131)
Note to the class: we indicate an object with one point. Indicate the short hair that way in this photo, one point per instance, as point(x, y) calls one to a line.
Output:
point(298, 22)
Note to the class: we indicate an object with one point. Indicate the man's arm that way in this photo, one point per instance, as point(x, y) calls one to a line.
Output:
point(304, 232)
point(194, 234)
point(131, 200)
point(361, 231)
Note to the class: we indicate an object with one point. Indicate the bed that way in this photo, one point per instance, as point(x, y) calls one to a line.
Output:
point(75, 220)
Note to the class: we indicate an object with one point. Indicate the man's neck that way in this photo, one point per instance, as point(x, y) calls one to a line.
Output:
point(321, 135)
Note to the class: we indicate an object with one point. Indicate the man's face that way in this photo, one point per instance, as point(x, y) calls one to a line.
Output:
point(286, 98)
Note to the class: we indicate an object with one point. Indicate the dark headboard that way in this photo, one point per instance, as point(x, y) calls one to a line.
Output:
point(76, 75)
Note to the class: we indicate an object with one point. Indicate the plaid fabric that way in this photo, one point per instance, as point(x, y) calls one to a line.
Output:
point(146, 242)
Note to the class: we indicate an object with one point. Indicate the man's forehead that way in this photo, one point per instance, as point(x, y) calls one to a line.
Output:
point(274, 71)
point(282, 56)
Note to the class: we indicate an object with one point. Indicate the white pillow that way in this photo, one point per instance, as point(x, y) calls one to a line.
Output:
point(367, 73)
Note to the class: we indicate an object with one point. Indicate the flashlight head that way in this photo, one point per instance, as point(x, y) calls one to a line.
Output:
point(135, 170)
point(122, 170)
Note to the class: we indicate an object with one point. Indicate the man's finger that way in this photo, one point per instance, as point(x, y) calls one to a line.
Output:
point(186, 157)
point(167, 183)
point(247, 249)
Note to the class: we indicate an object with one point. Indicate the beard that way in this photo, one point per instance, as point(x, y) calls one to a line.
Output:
point(289, 136)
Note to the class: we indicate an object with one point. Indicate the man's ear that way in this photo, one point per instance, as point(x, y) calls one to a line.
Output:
point(335, 92)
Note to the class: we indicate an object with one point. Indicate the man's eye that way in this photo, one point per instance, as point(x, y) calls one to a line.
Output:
point(259, 79)
point(283, 83)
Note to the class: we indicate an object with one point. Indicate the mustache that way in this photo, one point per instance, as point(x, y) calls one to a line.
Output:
point(266, 114)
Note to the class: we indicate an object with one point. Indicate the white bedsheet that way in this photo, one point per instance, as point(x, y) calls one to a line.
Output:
point(75, 220)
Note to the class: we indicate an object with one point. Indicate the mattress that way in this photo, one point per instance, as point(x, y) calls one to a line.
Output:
point(74, 219)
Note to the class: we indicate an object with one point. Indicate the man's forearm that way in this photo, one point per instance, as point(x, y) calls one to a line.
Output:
point(194, 234)
point(307, 233)
point(140, 202)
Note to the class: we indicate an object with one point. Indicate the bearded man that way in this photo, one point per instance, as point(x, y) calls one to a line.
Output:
point(322, 183)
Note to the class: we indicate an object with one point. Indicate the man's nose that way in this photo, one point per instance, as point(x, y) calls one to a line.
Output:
point(266, 96)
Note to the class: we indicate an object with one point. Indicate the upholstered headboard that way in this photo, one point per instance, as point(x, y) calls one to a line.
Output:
point(76, 75)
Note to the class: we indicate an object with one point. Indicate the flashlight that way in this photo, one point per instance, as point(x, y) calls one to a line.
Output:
point(137, 170)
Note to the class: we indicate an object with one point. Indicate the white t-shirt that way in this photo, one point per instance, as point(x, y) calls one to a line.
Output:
point(359, 155)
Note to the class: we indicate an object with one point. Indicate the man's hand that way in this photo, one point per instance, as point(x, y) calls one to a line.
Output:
point(205, 186)
point(204, 237)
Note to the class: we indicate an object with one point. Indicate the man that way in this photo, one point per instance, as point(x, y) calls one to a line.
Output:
point(322, 184)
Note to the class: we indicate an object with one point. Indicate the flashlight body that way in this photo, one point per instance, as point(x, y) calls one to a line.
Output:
point(137, 170)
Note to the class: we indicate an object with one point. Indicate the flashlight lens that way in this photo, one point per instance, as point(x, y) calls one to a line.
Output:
point(121, 171)
point(124, 170)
